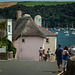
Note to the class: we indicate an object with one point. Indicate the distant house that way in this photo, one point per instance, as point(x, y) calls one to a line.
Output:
point(27, 38)
point(50, 40)
point(7, 31)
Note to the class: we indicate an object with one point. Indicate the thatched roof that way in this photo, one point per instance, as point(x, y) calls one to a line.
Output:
point(46, 32)
point(26, 27)
point(14, 23)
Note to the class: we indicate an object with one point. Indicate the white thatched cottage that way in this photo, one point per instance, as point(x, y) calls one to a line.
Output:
point(27, 39)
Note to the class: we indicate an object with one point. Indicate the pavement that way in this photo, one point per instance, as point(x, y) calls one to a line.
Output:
point(24, 67)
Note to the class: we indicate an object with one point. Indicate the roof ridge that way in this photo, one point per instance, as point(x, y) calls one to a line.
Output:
point(47, 30)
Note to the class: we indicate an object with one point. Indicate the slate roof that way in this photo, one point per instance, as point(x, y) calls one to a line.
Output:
point(26, 27)
point(45, 31)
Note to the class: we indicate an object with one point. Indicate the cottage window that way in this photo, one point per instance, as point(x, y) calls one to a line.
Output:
point(23, 40)
point(47, 40)
point(8, 28)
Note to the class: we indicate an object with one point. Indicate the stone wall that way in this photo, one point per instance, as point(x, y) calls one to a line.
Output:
point(10, 55)
point(3, 56)
point(70, 66)
point(6, 56)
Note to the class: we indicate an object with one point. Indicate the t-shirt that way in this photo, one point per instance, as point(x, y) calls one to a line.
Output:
point(40, 51)
point(43, 52)
point(58, 53)
point(49, 52)
point(64, 55)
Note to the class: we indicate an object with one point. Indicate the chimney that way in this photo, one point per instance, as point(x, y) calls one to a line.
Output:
point(19, 13)
point(38, 20)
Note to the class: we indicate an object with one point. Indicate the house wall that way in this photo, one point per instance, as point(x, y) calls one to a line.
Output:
point(28, 50)
point(9, 29)
point(10, 37)
point(51, 44)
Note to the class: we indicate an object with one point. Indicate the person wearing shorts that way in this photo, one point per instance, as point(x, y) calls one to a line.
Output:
point(65, 56)
point(49, 54)
point(40, 54)
point(58, 53)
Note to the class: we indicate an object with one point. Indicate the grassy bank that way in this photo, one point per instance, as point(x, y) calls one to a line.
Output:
point(30, 3)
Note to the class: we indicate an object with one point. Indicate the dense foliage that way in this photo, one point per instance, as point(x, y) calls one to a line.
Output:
point(3, 26)
point(8, 44)
point(3, 39)
point(52, 16)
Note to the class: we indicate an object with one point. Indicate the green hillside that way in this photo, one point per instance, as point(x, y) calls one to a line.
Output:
point(48, 3)
point(53, 15)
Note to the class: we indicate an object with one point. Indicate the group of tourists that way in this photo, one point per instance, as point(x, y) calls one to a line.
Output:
point(62, 56)
point(43, 55)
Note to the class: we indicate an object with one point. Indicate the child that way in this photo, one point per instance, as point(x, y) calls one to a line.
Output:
point(43, 54)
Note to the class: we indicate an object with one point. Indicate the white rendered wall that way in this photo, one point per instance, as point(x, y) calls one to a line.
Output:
point(10, 37)
point(9, 29)
point(29, 50)
point(51, 44)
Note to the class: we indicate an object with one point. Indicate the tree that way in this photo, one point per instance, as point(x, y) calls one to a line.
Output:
point(3, 26)
point(54, 15)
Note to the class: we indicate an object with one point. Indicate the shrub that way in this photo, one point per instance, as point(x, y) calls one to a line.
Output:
point(9, 45)
point(46, 57)
point(1, 44)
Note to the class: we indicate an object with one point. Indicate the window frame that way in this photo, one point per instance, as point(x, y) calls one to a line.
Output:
point(8, 28)
point(23, 40)
point(47, 40)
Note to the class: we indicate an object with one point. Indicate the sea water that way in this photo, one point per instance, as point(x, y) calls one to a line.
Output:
point(63, 39)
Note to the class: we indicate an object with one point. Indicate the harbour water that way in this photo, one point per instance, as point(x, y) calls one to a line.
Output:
point(64, 40)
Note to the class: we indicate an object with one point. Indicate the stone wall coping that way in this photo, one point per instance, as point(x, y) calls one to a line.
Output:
point(72, 58)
